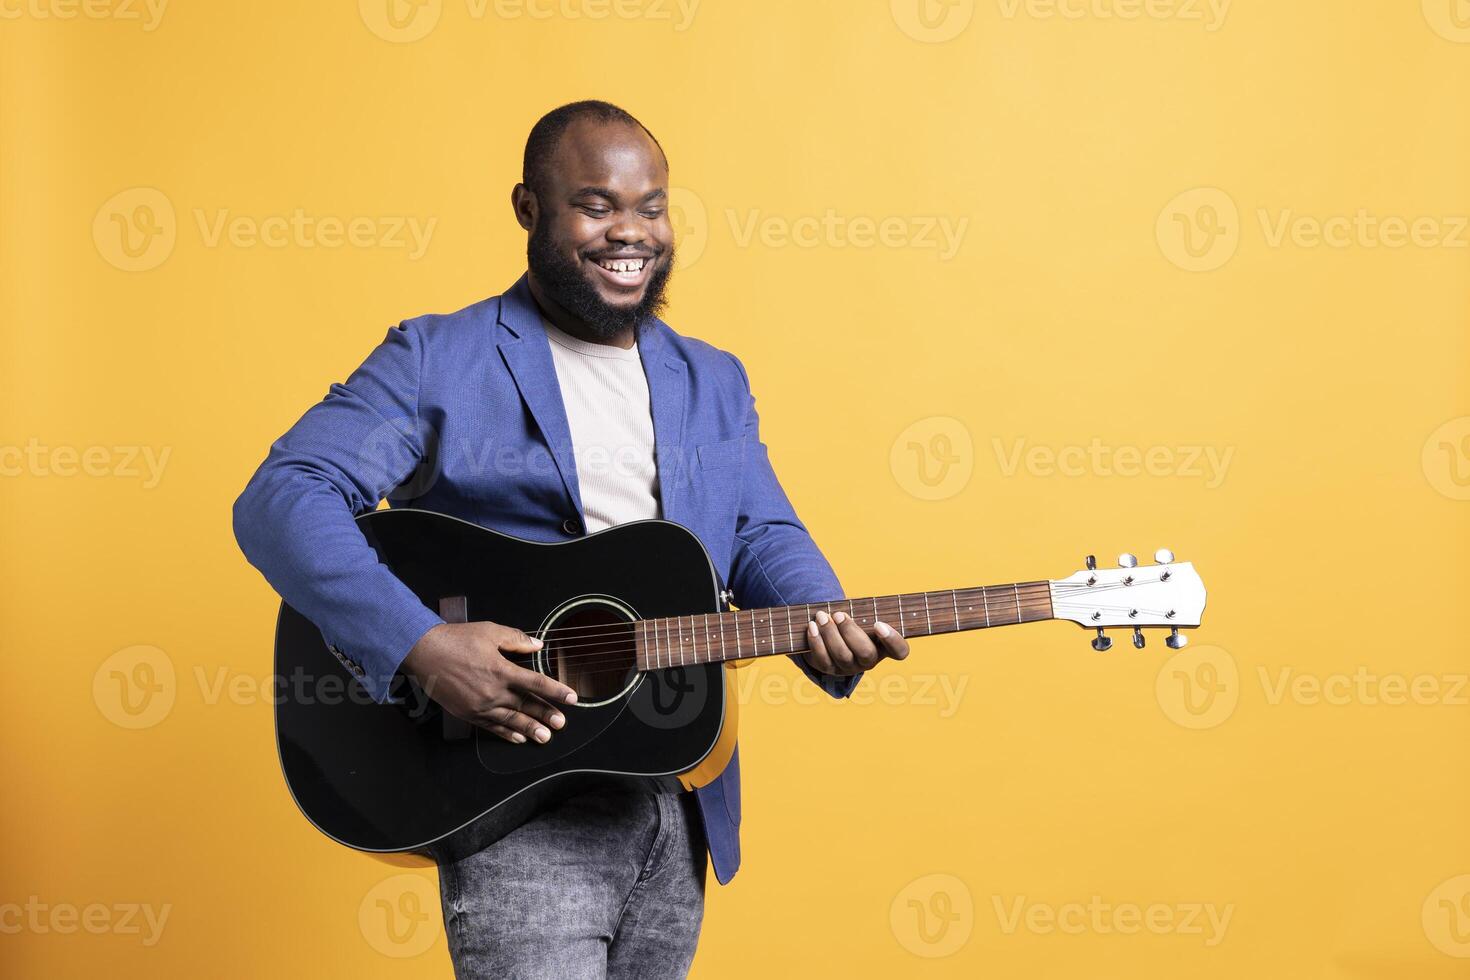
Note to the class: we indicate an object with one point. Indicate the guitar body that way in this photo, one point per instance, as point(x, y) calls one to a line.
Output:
point(405, 777)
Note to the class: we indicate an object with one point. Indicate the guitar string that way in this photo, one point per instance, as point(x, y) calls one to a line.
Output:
point(620, 634)
point(1003, 590)
point(670, 623)
point(615, 647)
point(619, 644)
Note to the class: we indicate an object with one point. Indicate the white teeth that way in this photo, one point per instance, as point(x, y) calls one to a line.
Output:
point(623, 265)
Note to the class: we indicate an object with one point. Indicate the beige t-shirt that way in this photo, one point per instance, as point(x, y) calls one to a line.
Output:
point(605, 393)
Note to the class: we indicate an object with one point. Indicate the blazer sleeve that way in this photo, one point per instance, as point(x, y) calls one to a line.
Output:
point(775, 562)
point(294, 521)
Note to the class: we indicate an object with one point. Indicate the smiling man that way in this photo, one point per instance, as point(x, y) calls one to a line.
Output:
point(589, 409)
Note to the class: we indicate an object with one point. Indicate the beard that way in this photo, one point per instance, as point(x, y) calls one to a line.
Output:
point(570, 288)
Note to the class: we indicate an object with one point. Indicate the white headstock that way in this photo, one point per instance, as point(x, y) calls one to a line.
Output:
point(1166, 594)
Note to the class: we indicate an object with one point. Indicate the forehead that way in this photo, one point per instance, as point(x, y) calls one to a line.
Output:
point(615, 155)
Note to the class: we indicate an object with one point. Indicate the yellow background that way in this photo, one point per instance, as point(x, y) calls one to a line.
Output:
point(1073, 310)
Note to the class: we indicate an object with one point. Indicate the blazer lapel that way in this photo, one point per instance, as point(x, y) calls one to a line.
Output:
point(528, 356)
point(668, 381)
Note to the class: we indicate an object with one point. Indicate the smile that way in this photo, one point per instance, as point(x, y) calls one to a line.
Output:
point(625, 272)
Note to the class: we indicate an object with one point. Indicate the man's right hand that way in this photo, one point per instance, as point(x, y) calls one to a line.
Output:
point(462, 666)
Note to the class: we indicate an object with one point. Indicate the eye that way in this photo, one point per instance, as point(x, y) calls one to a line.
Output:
point(594, 211)
point(653, 213)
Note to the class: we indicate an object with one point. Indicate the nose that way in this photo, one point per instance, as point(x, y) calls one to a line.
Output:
point(629, 229)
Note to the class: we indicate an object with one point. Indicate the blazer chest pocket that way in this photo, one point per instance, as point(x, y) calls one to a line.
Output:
point(719, 455)
point(714, 481)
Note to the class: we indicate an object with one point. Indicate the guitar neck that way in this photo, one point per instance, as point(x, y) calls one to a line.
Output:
point(703, 638)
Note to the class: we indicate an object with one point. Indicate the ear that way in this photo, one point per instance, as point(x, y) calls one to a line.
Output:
point(523, 202)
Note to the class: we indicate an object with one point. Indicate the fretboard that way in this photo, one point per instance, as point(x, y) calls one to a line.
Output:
point(704, 638)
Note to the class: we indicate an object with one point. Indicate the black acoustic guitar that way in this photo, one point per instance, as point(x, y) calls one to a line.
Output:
point(634, 619)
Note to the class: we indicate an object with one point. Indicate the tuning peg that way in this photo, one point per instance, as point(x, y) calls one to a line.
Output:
point(1176, 640)
point(1126, 560)
point(1092, 563)
point(1138, 637)
point(1163, 556)
point(1103, 643)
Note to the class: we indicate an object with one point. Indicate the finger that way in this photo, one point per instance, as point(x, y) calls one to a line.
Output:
point(509, 734)
point(545, 713)
point(527, 681)
point(512, 640)
point(817, 654)
point(865, 653)
point(517, 721)
point(836, 648)
point(894, 644)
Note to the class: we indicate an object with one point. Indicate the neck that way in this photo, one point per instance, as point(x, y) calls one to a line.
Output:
point(565, 321)
point(710, 637)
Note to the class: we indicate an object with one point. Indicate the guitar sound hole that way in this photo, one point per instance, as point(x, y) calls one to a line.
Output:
point(589, 647)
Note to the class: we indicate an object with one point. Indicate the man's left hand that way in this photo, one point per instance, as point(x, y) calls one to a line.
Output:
point(841, 648)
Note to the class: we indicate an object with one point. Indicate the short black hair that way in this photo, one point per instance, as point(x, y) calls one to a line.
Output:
point(547, 132)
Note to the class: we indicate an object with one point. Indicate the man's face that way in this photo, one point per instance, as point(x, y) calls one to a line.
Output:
point(602, 246)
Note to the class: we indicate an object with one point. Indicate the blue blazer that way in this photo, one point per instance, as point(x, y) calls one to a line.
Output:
point(462, 414)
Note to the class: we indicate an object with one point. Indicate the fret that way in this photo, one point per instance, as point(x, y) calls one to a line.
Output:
point(660, 647)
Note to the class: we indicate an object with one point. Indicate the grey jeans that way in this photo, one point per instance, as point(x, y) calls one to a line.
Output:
point(609, 884)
